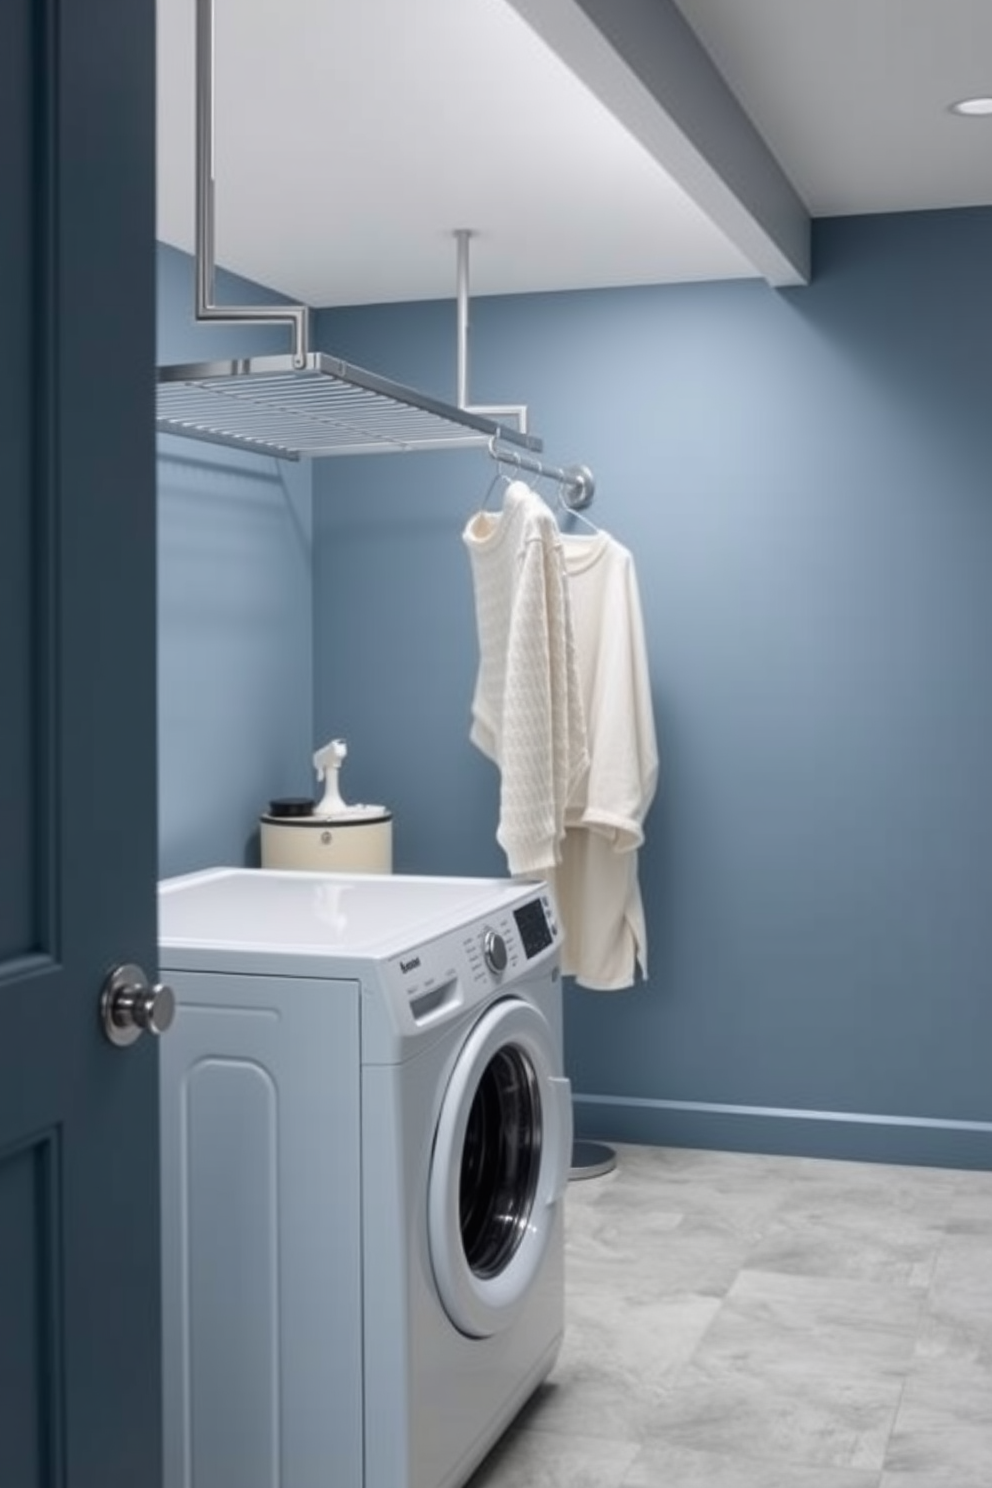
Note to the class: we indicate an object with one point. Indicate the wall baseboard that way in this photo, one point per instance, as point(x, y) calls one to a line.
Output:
point(924, 1141)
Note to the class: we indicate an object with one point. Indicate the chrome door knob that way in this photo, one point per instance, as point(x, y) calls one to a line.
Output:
point(494, 951)
point(130, 1006)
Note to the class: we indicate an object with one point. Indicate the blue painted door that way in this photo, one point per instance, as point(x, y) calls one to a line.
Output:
point(79, 1289)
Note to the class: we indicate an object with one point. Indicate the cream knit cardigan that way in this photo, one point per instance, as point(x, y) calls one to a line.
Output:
point(526, 710)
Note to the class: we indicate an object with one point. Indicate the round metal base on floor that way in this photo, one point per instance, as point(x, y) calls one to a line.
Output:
point(591, 1160)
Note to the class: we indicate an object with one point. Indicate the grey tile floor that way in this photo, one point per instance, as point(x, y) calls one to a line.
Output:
point(742, 1321)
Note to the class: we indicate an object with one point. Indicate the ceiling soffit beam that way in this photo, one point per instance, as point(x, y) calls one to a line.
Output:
point(642, 60)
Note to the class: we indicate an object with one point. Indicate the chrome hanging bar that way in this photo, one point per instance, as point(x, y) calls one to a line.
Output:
point(576, 483)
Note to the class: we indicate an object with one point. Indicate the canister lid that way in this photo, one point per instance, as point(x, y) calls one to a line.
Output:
point(292, 806)
point(299, 812)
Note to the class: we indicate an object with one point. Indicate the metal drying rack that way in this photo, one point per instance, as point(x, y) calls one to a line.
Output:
point(308, 403)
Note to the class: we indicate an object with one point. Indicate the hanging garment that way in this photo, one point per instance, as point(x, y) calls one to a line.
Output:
point(596, 884)
point(526, 709)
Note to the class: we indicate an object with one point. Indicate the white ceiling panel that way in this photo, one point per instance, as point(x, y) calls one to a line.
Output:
point(353, 139)
point(355, 136)
point(852, 95)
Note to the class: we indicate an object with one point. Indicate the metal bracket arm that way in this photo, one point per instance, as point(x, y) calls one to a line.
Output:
point(297, 316)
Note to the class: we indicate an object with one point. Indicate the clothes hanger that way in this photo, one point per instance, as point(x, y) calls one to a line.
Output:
point(561, 507)
point(505, 475)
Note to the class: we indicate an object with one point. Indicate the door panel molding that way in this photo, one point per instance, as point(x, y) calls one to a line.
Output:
point(32, 965)
point(30, 80)
point(32, 1445)
point(19, 128)
point(46, 432)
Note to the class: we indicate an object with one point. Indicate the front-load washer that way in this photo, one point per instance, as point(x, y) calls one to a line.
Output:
point(366, 1137)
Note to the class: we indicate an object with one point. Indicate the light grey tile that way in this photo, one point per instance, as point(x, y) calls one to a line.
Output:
point(951, 1332)
point(620, 1353)
point(814, 1325)
point(694, 1165)
point(929, 1480)
point(674, 1224)
point(847, 1219)
point(529, 1459)
point(616, 1228)
point(898, 1185)
point(789, 1413)
point(969, 1206)
point(944, 1424)
point(957, 1322)
point(852, 1233)
point(728, 1188)
point(665, 1466)
point(688, 1260)
point(964, 1268)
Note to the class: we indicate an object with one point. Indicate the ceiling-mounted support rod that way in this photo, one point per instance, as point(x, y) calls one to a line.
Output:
point(297, 316)
point(498, 411)
point(462, 235)
point(576, 482)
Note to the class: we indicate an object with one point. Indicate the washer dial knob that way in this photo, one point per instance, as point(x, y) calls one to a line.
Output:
point(494, 951)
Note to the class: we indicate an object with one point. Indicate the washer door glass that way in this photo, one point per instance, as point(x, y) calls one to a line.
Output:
point(500, 1161)
point(499, 1167)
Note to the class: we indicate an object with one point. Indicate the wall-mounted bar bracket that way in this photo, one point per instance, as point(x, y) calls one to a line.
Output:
point(576, 483)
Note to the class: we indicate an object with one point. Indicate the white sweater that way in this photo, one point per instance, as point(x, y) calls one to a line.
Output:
point(596, 884)
point(526, 710)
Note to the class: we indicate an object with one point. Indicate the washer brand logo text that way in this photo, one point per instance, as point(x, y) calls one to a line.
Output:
point(410, 965)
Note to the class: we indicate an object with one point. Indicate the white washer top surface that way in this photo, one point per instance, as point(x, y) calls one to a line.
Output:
point(416, 946)
point(266, 911)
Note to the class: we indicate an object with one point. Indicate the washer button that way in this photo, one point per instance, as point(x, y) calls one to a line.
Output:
point(494, 951)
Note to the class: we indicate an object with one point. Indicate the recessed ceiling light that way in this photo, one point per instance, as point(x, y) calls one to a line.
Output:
point(972, 107)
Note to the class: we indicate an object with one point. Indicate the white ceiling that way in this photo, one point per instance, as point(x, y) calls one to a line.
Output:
point(852, 95)
point(355, 136)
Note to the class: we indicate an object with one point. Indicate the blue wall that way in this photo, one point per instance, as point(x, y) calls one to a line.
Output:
point(805, 480)
point(234, 610)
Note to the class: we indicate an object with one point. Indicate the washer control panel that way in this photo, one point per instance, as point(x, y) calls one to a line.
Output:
point(504, 944)
point(465, 965)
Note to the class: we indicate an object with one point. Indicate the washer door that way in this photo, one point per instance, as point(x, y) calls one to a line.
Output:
point(500, 1164)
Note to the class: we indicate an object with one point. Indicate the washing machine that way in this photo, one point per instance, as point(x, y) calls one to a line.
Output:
point(366, 1137)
